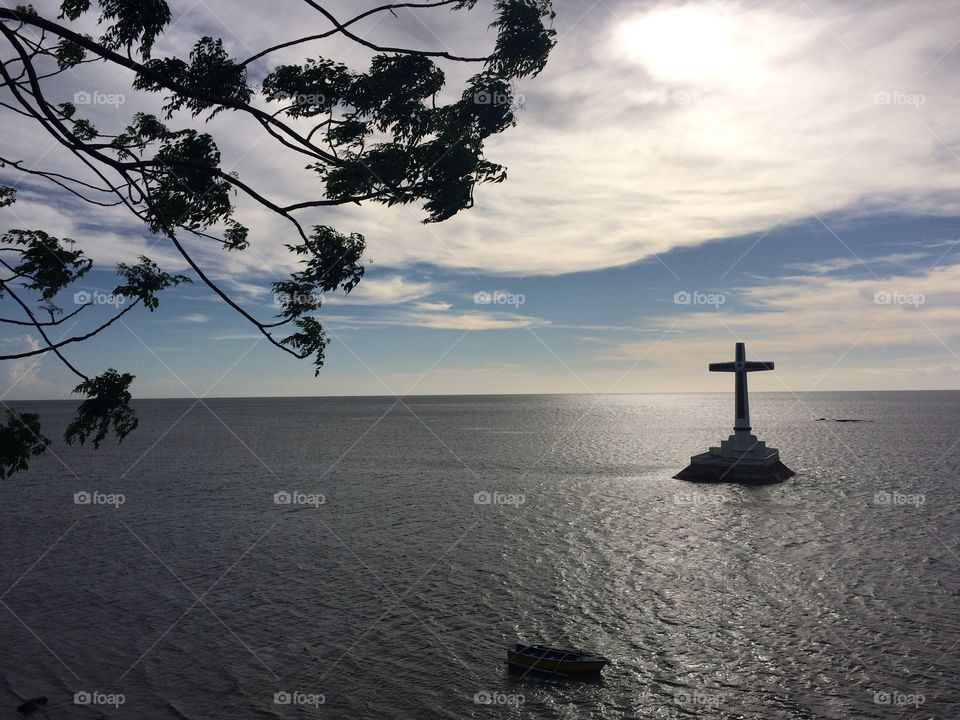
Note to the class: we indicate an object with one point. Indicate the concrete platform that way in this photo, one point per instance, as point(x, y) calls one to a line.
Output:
point(707, 468)
point(741, 458)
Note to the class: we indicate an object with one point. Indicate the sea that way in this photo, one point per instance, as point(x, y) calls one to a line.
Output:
point(374, 557)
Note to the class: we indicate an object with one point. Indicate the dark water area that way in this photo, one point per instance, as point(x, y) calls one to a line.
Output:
point(423, 537)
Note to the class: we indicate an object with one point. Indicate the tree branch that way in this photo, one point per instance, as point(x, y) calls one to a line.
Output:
point(348, 23)
point(342, 28)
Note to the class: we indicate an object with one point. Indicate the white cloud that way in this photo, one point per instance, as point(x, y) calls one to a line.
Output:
point(616, 158)
point(652, 128)
point(850, 261)
point(22, 375)
point(475, 321)
point(388, 290)
point(237, 336)
point(898, 331)
point(437, 319)
point(194, 318)
point(438, 306)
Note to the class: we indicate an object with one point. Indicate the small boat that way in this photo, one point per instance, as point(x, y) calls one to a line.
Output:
point(566, 662)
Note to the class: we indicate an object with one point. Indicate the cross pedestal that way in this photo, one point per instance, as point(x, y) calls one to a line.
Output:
point(742, 457)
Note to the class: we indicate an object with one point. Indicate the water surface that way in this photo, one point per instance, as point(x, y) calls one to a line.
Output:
point(200, 597)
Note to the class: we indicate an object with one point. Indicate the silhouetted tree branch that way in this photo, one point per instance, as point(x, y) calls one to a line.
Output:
point(375, 135)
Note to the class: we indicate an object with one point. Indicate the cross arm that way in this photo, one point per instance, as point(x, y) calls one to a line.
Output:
point(723, 367)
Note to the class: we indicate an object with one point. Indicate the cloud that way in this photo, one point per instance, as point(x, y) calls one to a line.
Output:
point(438, 306)
point(387, 290)
point(22, 375)
point(827, 331)
point(237, 336)
point(619, 157)
point(652, 128)
point(830, 265)
point(475, 321)
point(438, 320)
point(194, 318)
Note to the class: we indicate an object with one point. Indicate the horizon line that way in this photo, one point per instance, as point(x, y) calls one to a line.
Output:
point(491, 394)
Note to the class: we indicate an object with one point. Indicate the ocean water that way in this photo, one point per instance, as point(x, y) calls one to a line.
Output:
point(389, 588)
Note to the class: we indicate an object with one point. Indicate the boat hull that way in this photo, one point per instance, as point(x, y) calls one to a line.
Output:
point(566, 667)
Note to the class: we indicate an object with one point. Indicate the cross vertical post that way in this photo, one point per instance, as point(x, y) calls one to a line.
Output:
point(740, 366)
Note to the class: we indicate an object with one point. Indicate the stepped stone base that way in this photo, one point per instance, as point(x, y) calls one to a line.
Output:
point(741, 458)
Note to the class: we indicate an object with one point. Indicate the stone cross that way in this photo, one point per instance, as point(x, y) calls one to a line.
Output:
point(741, 367)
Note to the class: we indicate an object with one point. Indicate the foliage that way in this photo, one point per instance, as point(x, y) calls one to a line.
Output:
point(48, 264)
point(106, 408)
point(144, 281)
point(19, 439)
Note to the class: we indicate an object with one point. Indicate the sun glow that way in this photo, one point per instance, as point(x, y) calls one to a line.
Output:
point(680, 44)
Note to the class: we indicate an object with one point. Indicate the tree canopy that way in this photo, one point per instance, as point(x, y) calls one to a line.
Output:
point(380, 134)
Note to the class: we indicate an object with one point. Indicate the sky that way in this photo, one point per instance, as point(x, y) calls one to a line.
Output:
point(683, 176)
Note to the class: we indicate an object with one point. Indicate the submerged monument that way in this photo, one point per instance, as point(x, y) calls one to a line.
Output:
point(741, 458)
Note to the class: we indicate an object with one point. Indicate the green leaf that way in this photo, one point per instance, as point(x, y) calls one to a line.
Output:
point(48, 263)
point(84, 130)
point(106, 410)
point(310, 89)
point(523, 41)
point(145, 280)
point(184, 187)
point(134, 20)
point(210, 74)
point(392, 94)
point(235, 236)
point(20, 438)
point(69, 54)
point(333, 261)
point(311, 340)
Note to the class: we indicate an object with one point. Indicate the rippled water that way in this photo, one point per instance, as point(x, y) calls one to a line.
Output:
point(199, 597)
